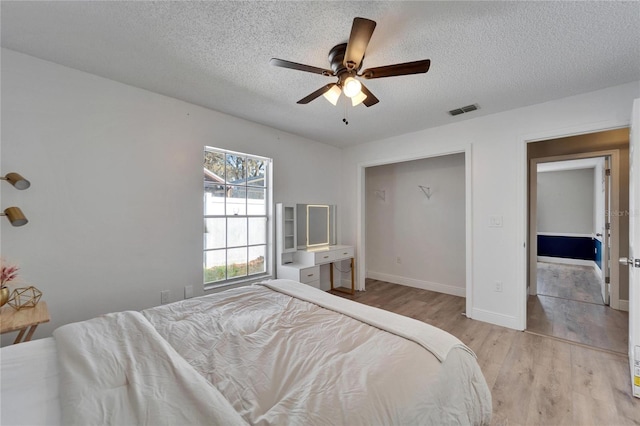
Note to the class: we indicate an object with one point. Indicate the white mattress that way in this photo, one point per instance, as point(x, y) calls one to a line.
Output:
point(29, 383)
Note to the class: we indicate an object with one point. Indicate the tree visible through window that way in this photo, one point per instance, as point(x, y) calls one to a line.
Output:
point(236, 208)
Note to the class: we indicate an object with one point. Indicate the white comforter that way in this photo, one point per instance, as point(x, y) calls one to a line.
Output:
point(117, 370)
point(281, 360)
point(259, 356)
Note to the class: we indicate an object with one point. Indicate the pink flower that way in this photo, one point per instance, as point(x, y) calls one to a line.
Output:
point(8, 274)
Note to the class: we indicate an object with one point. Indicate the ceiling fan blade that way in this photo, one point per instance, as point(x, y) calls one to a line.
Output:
point(371, 99)
point(417, 67)
point(321, 91)
point(300, 67)
point(361, 32)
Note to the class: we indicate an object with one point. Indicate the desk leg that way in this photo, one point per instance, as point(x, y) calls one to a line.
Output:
point(32, 330)
point(353, 282)
point(19, 337)
point(331, 274)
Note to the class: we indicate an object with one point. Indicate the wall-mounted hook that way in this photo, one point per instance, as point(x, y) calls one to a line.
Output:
point(426, 190)
point(380, 193)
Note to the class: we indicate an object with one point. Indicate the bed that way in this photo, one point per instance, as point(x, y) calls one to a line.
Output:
point(270, 354)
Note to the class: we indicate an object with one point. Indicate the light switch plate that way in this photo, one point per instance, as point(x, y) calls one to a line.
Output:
point(495, 221)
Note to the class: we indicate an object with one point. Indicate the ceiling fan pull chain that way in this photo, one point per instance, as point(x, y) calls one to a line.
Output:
point(346, 115)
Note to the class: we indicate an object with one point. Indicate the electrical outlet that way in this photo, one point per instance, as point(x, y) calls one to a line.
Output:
point(499, 286)
point(398, 260)
point(188, 291)
point(164, 297)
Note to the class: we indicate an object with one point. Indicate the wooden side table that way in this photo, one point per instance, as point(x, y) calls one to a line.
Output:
point(26, 320)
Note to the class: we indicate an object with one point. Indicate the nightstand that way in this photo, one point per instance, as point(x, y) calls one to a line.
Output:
point(26, 320)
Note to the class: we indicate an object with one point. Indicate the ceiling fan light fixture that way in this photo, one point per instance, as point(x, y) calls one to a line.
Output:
point(357, 99)
point(351, 87)
point(345, 60)
point(333, 94)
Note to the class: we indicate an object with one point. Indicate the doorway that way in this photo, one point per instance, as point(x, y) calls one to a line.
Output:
point(572, 204)
point(571, 276)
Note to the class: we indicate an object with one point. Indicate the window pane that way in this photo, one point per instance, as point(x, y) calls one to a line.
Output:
point(237, 262)
point(215, 232)
point(236, 166)
point(256, 259)
point(236, 231)
point(256, 172)
point(256, 201)
point(257, 230)
point(236, 201)
point(214, 266)
point(213, 198)
point(214, 165)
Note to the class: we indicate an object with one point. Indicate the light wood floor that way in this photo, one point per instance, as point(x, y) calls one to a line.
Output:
point(534, 380)
point(569, 306)
point(573, 282)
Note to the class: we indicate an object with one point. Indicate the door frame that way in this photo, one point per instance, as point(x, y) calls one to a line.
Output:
point(614, 154)
point(522, 203)
point(634, 249)
point(605, 255)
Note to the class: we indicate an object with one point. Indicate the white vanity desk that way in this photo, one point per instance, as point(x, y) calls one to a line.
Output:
point(305, 265)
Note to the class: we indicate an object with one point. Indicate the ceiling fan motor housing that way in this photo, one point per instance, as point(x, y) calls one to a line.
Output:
point(336, 59)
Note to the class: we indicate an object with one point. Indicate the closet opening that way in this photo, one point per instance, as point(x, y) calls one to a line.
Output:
point(415, 223)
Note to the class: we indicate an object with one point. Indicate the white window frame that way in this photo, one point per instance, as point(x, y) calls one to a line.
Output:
point(268, 186)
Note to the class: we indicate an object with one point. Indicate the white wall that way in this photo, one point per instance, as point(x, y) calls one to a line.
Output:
point(498, 164)
point(566, 202)
point(115, 206)
point(426, 235)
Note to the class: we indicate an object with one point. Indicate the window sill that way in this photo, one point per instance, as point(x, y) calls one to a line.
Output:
point(214, 288)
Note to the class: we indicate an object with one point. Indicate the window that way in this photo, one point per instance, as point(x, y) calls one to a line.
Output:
point(237, 210)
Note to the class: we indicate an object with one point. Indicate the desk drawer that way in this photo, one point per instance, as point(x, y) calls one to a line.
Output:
point(308, 275)
point(345, 253)
point(325, 256)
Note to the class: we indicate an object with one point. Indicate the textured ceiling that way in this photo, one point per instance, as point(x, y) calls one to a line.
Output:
point(501, 55)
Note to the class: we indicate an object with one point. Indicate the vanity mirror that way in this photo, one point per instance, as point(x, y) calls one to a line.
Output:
point(316, 225)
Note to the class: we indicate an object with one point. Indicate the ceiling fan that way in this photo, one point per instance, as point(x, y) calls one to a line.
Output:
point(346, 61)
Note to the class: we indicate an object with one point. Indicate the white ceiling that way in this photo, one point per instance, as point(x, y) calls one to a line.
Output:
point(501, 55)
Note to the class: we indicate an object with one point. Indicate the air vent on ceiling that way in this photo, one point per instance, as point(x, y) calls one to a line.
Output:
point(464, 109)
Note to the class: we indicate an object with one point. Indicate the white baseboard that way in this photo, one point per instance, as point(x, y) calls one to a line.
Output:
point(597, 270)
point(623, 305)
point(565, 261)
point(495, 318)
point(424, 285)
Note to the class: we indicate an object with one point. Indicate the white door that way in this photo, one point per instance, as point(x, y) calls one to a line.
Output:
point(634, 248)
